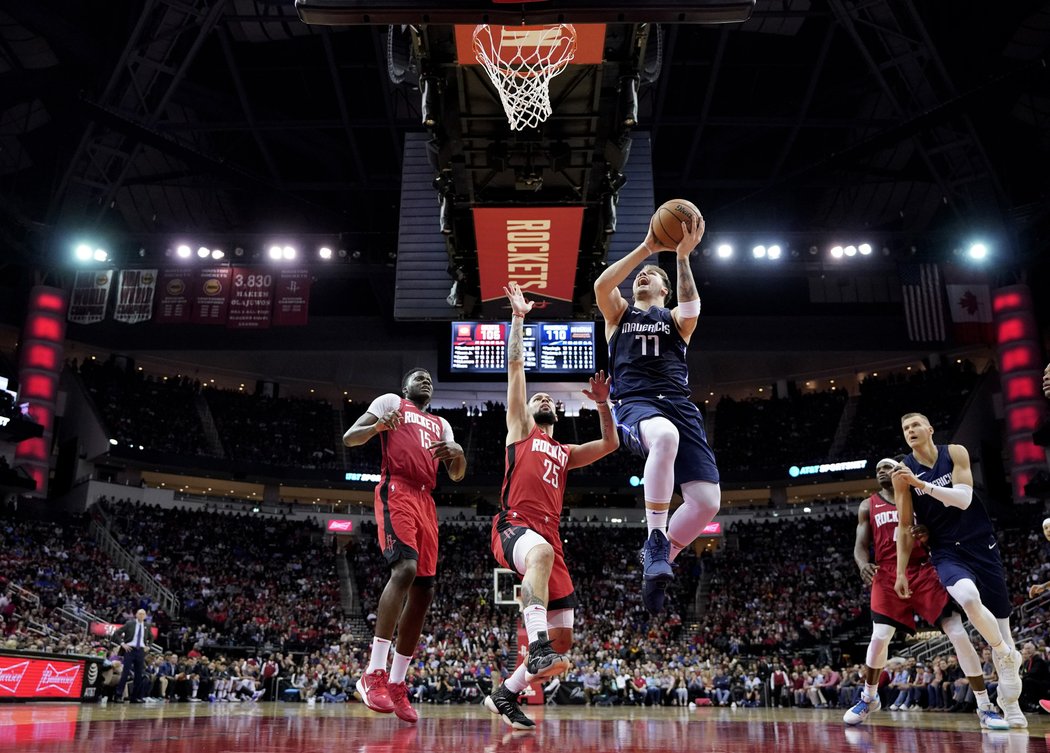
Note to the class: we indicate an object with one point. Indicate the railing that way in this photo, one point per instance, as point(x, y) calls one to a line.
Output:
point(22, 593)
point(126, 560)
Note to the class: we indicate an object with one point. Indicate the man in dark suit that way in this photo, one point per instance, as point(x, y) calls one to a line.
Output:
point(133, 638)
point(1035, 677)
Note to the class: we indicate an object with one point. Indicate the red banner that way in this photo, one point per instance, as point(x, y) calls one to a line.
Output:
point(173, 302)
point(211, 296)
point(87, 304)
point(535, 247)
point(40, 678)
point(135, 295)
point(251, 299)
point(292, 298)
point(106, 629)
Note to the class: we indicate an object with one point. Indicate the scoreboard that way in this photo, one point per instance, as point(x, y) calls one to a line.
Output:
point(549, 348)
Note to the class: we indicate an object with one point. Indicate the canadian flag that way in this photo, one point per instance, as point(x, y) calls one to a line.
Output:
point(58, 679)
point(11, 676)
point(969, 299)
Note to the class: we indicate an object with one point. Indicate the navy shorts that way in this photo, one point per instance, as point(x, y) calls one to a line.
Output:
point(979, 561)
point(695, 460)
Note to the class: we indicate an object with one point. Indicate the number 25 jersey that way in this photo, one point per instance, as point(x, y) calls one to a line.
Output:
point(534, 482)
point(647, 356)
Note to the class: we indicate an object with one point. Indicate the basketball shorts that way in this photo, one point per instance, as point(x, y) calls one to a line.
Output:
point(979, 561)
point(408, 527)
point(928, 599)
point(560, 591)
point(695, 460)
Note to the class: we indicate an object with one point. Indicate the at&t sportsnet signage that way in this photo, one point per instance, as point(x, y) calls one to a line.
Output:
point(535, 247)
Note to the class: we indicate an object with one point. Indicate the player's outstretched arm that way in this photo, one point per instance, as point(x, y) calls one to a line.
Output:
point(519, 421)
point(606, 287)
point(587, 453)
point(687, 311)
point(862, 544)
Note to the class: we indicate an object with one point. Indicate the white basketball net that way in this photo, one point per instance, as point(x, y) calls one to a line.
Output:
point(521, 63)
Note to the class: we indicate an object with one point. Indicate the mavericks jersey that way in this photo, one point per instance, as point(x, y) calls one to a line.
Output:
point(647, 356)
point(406, 453)
point(948, 525)
point(534, 482)
point(882, 516)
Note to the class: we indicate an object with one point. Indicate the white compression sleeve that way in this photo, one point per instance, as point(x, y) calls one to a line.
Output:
point(959, 495)
point(689, 309)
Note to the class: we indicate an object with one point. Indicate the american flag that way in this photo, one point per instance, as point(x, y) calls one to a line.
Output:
point(922, 289)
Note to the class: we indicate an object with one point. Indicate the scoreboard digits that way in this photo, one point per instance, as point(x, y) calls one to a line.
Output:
point(549, 347)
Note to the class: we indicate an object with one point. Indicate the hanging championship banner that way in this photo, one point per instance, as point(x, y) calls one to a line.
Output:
point(87, 304)
point(173, 301)
point(211, 296)
point(135, 289)
point(292, 298)
point(251, 299)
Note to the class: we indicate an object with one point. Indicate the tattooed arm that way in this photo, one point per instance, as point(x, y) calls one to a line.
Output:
point(587, 453)
point(519, 420)
point(685, 318)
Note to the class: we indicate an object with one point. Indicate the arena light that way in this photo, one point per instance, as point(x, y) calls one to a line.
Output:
point(83, 252)
point(724, 251)
point(759, 252)
point(274, 253)
point(288, 253)
point(203, 252)
point(217, 254)
point(100, 254)
point(183, 251)
point(324, 252)
point(865, 249)
point(977, 252)
point(850, 250)
point(773, 252)
point(836, 252)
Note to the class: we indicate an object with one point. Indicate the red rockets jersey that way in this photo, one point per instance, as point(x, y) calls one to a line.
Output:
point(882, 516)
point(405, 449)
point(534, 482)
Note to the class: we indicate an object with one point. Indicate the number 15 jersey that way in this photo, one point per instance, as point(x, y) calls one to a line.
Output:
point(647, 356)
point(534, 482)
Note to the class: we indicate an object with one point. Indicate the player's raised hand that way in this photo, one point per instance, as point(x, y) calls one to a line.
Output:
point(867, 573)
point(692, 232)
point(901, 586)
point(599, 388)
point(651, 243)
point(903, 478)
point(1035, 590)
point(518, 304)
point(389, 420)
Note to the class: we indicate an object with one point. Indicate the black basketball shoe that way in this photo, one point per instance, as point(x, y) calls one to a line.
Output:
point(543, 660)
point(505, 703)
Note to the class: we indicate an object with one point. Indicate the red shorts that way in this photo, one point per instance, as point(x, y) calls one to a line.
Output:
point(408, 527)
point(560, 592)
point(928, 599)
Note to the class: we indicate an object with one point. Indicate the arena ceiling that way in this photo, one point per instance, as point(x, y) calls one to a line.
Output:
point(914, 123)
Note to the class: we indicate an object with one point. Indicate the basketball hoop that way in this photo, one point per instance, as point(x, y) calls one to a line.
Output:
point(521, 61)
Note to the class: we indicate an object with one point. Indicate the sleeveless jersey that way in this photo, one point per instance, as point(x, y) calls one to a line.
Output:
point(534, 482)
point(647, 356)
point(405, 453)
point(948, 525)
point(882, 516)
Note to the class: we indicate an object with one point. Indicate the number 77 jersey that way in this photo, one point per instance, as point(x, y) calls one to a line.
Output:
point(647, 356)
point(534, 481)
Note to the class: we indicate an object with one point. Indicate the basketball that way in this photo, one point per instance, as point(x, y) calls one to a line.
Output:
point(667, 222)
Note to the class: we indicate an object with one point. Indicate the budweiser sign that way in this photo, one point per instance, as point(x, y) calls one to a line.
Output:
point(62, 680)
point(340, 526)
point(11, 676)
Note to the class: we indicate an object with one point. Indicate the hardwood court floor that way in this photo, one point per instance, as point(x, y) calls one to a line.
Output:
point(350, 728)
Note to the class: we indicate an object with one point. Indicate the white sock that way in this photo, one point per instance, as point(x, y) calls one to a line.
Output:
point(399, 668)
point(982, 698)
point(518, 681)
point(871, 691)
point(380, 650)
point(535, 616)
point(656, 520)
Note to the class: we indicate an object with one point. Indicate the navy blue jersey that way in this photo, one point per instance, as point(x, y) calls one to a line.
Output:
point(948, 525)
point(647, 356)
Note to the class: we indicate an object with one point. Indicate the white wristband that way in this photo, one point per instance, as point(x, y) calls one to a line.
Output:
point(689, 309)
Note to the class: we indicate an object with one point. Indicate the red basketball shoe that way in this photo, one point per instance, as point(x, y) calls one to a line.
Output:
point(399, 697)
point(374, 691)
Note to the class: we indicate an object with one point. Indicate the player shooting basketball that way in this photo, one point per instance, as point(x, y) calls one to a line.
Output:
point(650, 391)
point(525, 532)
